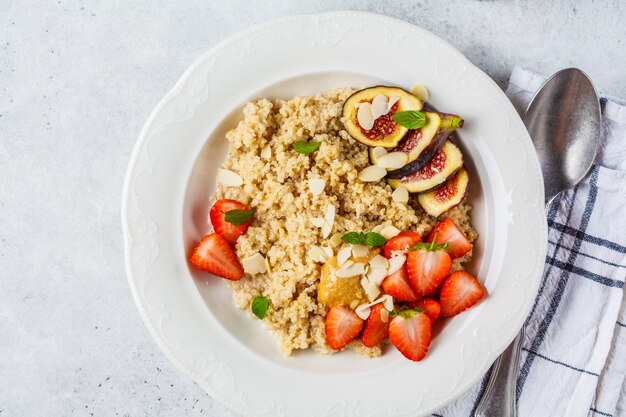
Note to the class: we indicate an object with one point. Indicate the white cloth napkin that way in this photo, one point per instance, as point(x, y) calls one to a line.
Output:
point(574, 355)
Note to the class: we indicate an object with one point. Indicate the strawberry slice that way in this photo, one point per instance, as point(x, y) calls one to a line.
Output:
point(398, 286)
point(400, 243)
point(213, 254)
point(431, 308)
point(342, 326)
point(376, 326)
point(409, 332)
point(460, 291)
point(427, 266)
point(227, 230)
point(450, 232)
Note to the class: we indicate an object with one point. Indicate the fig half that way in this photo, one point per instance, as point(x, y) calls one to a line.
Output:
point(446, 162)
point(449, 194)
point(423, 147)
point(385, 132)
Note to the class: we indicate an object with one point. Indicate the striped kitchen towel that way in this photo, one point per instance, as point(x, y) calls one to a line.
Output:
point(573, 361)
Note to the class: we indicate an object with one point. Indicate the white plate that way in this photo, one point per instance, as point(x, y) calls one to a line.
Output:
point(172, 172)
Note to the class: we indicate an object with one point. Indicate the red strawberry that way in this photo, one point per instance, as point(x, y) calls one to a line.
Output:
point(376, 326)
point(213, 254)
point(460, 291)
point(431, 308)
point(427, 266)
point(409, 332)
point(397, 285)
point(342, 326)
point(450, 232)
point(401, 242)
point(227, 230)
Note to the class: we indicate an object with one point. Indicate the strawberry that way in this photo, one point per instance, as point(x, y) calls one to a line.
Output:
point(431, 308)
point(400, 243)
point(427, 265)
point(450, 232)
point(213, 254)
point(409, 332)
point(376, 326)
point(342, 326)
point(397, 285)
point(227, 230)
point(460, 291)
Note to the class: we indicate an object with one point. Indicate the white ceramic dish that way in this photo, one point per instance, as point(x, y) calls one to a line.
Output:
point(172, 173)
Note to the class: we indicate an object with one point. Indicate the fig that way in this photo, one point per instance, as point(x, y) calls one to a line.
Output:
point(449, 194)
point(446, 162)
point(422, 147)
point(384, 131)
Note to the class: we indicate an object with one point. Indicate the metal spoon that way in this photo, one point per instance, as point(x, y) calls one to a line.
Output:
point(563, 120)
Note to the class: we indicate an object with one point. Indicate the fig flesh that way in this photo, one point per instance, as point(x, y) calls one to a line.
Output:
point(448, 195)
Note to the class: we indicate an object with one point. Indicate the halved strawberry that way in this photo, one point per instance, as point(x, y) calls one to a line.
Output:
point(227, 230)
point(213, 254)
point(342, 326)
point(400, 243)
point(431, 308)
point(460, 291)
point(450, 232)
point(409, 332)
point(427, 266)
point(398, 286)
point(376, 326)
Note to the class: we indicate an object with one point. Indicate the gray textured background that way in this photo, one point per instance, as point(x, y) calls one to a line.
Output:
point(77, 81)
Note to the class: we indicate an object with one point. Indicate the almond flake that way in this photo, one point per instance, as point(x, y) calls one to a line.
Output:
point(395, 264)
point(378, 151)
point(371, 289)
point(379, 262)
point(266, 152)
point(354, 304)
point(364, 116)
point(420, 91)
point(379, 106)
point(254, 264)
point(350, 271)
point(378, 228)
point(329, 218)
point(363, 311)
point(360, 251)
point(387, 301)
point(335, 240)
point(389, 231)
point(377, 275)
point(372, 173)
point(328, 251)
point(317, 254)
point(392, 160)
point(400, 195)
point(229, 178)
point(343, 255)
point(317, 221)
point(384, 315)
point(347, 263)
point(392, 100)
point(316, 186)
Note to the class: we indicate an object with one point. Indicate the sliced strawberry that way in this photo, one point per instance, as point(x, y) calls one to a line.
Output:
point(400, 243)
point(342, 326)
point(376, 326)
point(431, 308)
point(409, 332)
point(460, 291)
point(213, 254)
point(427, 266)
point(450, 232)
point(398, 286)
point(227, 230)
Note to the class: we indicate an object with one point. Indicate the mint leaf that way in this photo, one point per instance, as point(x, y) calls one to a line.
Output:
point(411, 119)
point(374, 239)
point(306, 147)
point(354, 238)
point(259, 306)
point(238, 217)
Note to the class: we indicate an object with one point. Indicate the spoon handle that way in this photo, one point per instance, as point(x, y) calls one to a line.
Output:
point(499, 398)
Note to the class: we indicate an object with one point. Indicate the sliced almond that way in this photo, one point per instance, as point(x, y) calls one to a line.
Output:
point(316, 186)
point(379, 262)
point(400, 195)
point(360, 251)
point(268, 268)
point(395, 264)
point(254, 264)
point(384, 315)
point(392, 100)
point(363, 311)
point(378, 228)
point(229, 178)
point(389, 231)
point(354, 304)
point(379, 106)
point(364, 116)
point(350, 271)
point(317, 254)
point(329, 218)
point(372, 173)
point(317, 221)
point(392, 160)
point(335, 240)
point(387, 301)
point(379, 151)
point(377, 275)
point(343, 255)
point(266, 152)
point(328, 251)
point(347, 263)
point(420, 91)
